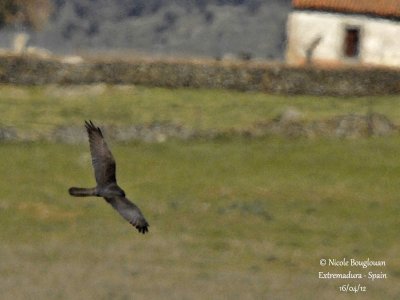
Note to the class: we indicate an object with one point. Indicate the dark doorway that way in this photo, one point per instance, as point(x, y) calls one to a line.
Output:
point(352, 42)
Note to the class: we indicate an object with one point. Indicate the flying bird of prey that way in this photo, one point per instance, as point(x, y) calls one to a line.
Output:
point(104, 171)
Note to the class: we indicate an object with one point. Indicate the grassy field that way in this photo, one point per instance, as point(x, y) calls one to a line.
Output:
point(230, 219)
point(41, 109)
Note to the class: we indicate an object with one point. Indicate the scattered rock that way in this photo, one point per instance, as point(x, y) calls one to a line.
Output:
point(351, 126)
point(290, 115)
point(380, 125)
point(289, 124)
point(39, 52)
point(72, 60)
point(20, 42)
point(69, 135)
point(8, 134)
point(355, 126)
point(154, 132)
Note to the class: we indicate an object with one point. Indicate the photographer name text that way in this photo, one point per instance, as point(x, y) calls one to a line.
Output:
point(333, 262)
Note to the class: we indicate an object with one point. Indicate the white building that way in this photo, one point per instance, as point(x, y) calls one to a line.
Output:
point(333, 32)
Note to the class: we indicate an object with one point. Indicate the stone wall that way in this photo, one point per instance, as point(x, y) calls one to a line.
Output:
point(244, 76)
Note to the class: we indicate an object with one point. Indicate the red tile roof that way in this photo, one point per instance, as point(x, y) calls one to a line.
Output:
point(384, 8)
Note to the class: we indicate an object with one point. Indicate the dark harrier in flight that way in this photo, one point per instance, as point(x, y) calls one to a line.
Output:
point(104, 171)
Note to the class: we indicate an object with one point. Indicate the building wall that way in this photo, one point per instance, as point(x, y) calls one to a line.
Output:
point(379, 38)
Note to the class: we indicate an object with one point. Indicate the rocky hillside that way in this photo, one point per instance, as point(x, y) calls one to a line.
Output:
point(213, 28)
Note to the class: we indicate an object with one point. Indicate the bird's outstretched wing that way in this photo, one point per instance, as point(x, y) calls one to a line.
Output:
point(130, 212)
point(102, 160)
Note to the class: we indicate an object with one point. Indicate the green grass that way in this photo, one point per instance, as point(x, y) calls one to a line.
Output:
point(43, 108)
point(232, 219)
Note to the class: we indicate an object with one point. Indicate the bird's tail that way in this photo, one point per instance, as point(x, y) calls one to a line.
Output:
point(82, 192)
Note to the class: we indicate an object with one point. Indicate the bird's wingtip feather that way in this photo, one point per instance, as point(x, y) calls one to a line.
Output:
point(91, 127)
point(142, 228)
